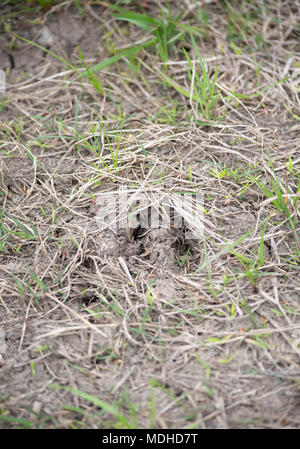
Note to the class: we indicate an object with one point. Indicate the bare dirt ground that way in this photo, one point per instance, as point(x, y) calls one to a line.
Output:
point(104, 327)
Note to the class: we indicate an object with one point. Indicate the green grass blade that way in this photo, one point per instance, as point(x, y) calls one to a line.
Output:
point(98, 402)
point(123, 54)
point(28, 232)
point(107, 62)
point(23, 422)
point(143, 21)
point(38, 281)
point(59, 58)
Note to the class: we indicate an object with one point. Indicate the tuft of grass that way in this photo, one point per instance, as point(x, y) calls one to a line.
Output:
point(253, 265)
point(284, 201)
point(203, 91)
point(165, 30)
point(22, 232)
